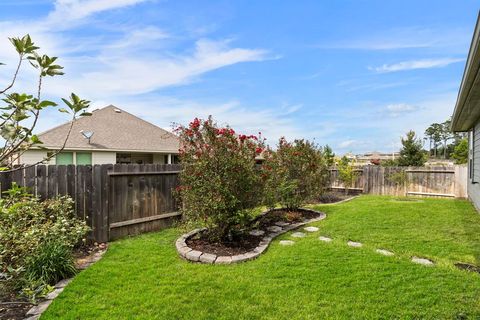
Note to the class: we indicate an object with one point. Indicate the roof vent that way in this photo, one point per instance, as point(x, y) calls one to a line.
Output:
point(118, 110)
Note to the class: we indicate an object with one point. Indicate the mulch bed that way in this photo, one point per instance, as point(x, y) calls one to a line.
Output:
point(245, 242)
point(14, 308)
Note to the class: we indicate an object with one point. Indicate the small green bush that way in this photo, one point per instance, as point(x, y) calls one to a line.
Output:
point(33, 231)
point(51, 263)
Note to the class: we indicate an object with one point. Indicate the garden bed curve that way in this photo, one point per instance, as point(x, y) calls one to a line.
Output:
point(190, 254)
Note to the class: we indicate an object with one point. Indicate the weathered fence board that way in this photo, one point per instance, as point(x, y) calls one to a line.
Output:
point(114, 200)
point(448, 181)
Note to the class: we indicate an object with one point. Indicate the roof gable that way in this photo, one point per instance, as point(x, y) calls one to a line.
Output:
point(113, 129)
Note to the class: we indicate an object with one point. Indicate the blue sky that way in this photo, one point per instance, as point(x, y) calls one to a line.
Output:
point(352, 74)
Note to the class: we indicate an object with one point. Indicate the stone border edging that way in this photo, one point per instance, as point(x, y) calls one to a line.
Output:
point(339, 202)
point(36, 311)
point(202, 257)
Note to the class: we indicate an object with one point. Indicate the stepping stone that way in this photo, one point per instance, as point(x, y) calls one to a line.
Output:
point(257, 233)
point(325, 239)
point(287, 242)
point(354, 244)
point(282, 223)
point(385, 252)
point(422, 261)
point(274, 228)
point(311, 229)
point(298, 234)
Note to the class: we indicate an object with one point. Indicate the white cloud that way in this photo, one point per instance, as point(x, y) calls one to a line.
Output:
point(400, 108)
point(135, 72)
point(347, 143)
point(406, 38)
point(67, 12)
point(138, 61)
point(416, 64)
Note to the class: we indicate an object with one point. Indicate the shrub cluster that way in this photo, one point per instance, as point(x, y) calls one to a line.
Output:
point(36, 240)
point(297, 172)
point(222, 181)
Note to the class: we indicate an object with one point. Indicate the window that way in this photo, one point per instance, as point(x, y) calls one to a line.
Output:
point(64, 158)
point(83, 158)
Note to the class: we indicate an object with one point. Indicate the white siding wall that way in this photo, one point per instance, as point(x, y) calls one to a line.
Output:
point(34, 156)
point(158, 158)
point(474, 163)
point(104, 157)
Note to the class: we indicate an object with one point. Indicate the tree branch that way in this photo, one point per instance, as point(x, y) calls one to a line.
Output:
point(14, 75)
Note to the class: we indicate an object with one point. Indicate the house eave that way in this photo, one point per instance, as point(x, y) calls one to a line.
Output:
point(467, 107)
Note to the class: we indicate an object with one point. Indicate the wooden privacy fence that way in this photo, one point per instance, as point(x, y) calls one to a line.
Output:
point(115, 200)
point(449, 181)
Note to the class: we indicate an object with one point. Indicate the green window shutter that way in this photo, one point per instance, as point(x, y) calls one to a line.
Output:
point(84, 158)
point(64, 158)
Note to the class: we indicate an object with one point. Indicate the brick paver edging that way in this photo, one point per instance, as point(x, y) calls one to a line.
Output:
point(197, 256)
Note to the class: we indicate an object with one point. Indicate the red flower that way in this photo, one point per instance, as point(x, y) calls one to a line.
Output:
point(195, 123)
point(258, 150)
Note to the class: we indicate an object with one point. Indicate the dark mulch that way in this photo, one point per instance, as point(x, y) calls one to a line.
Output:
point(240, 245)
point(12, 308)
point(467, 267)
point(244, 242)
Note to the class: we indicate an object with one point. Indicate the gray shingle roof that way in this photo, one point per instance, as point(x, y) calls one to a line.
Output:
point(114, 129)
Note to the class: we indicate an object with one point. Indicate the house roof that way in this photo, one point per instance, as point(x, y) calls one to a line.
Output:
point(113, 129)
point(467, 108)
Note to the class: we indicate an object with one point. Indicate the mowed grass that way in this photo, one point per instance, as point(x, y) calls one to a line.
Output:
point(143, 278)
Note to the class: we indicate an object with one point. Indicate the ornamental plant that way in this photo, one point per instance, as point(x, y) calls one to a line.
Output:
point(28, 229)
point(296, 173)
point(220, 182)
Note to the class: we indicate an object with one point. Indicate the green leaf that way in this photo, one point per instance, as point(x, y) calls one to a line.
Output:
point(47, 103)
point(63, 110)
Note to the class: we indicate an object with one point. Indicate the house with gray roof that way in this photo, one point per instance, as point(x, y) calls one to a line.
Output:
point(110, 135)
point(466, 116)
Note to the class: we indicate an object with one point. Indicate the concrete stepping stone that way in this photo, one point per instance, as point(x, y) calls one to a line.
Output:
point(311, 229)
point(325, 239)
point(385, 252)
point(282, 223)
point(354, 244)
point(422, 261)
point(274, 229)
point(287, 242)
point(298, 235)
point(257, 233)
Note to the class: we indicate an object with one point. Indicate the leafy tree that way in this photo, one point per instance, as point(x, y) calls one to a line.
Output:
point(347, 173)
point(446, 134)
point(411, 153)
point(434, 133)
point(460, 153)
point(329, 155)
point(20, 111)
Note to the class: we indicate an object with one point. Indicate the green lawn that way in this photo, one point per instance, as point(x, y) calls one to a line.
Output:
point(142, 277)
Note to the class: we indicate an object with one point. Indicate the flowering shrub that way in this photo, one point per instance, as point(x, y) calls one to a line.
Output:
point(220, 181)
point(27, 225)
point(295, 174)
